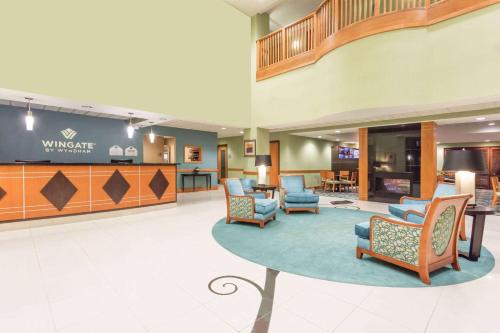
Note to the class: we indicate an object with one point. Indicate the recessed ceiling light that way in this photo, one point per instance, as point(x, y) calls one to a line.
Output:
point(241, 132)
point(491, 124)
point(480, 118)
point(487, 140)
point(223, 128)
point(337, 139)
point(337, 131)
point(319, 136)
point(438, 142)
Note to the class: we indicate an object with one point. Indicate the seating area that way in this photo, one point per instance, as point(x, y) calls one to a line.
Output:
point(419, 234)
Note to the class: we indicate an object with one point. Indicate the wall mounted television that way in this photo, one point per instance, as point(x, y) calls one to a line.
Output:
point(348, 153)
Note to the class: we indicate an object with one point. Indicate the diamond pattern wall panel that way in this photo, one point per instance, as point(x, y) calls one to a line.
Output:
point(116, 187)
point(2, 193)
point(59, 190)
point(158, 184)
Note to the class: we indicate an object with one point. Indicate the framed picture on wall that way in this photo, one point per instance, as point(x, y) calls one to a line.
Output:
point(192, 154)
point(249, 148)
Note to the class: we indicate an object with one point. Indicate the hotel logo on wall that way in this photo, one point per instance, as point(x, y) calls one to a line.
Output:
point(68, 146)
point(69, 133)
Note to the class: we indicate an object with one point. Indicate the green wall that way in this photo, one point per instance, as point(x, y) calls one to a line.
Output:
point(301, 153)
point(189, 59)
point(449, 62)
point(296, 153)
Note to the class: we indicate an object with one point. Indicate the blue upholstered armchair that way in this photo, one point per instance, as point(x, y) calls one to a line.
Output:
point(247, 184)
point(421, 247)
point(247, 208)
point(294, 196)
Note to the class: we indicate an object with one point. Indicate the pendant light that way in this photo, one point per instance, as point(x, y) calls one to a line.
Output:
point(151, 134)
point(130, 128)
point(30, 120)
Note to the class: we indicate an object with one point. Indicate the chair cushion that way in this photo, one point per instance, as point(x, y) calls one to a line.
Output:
point(262, 217)
point(399, 209)
point(234, 187)
point(265, 206)
point(247, 184)
point(362, 230)
point(301, 205)
point(444, 190)
point(363, 243)
point(301, 197)
point(293, 183)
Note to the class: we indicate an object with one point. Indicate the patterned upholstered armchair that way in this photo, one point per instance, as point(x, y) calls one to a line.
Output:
point(247, 208)
point(294, 196)
point(413, 209)
point(422, 248)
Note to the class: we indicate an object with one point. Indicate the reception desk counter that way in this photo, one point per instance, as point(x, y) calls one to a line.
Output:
point(30, 191)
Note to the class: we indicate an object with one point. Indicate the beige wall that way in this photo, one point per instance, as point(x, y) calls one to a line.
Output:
point(189, 59)
point(153, 152)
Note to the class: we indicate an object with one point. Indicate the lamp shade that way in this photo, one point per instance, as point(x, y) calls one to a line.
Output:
point(264, 160)
point(464, 160)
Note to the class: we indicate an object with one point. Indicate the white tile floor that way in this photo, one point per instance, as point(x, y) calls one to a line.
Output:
point(148, 272)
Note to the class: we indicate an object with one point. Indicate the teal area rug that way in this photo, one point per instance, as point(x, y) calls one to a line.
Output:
point(323, 246)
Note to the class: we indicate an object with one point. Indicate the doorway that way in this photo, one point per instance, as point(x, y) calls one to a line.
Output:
point(274, 170)
point(221, 162)
point(162, 150)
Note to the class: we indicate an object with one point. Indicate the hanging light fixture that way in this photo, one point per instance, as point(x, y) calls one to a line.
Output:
point(130, 128)
point(30, 120)
point(151, 134)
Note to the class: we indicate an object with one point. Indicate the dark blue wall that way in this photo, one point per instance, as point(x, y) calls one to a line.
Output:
point(102, 133)
point(207, 141)
point(18, 143)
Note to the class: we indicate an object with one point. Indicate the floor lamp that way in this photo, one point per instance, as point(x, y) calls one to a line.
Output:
point(262, 162)
point(465, 163)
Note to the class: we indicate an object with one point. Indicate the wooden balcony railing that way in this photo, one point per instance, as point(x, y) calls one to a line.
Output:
point(337, 22)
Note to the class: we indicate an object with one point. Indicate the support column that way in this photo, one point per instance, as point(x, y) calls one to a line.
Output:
point(363, 163)
point(428, 159)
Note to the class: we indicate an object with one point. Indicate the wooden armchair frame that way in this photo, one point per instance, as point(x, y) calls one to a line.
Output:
point(424, 259)
point(494, 187)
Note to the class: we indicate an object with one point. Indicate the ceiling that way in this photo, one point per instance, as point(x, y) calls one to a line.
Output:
point(140, 118)
point(253, 7)
point(281, 12)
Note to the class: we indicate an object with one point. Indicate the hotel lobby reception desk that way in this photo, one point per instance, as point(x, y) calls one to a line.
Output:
point(30, 191)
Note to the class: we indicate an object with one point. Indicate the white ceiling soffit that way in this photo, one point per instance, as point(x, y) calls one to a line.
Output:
point(477, 129)
point(394, 113)
point(470, 130)
point(253, 7)
point(290, 11)
point(140, 118)
point(222, 131)
point(281, 12)
point(346, 135)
